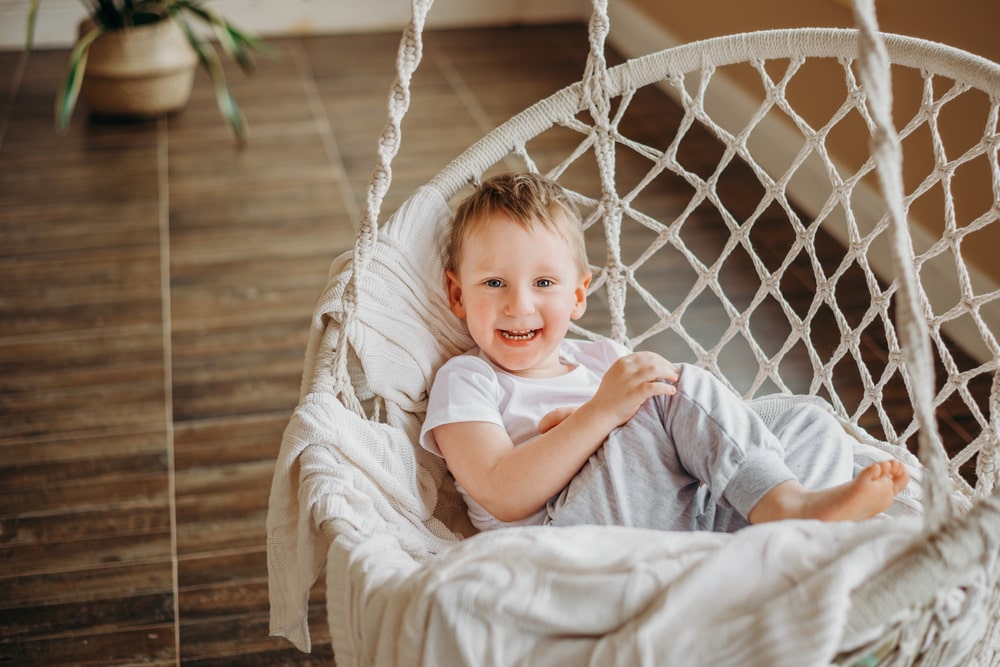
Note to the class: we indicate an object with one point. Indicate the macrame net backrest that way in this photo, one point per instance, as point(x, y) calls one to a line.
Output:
point(626, 170)
point(666, 240)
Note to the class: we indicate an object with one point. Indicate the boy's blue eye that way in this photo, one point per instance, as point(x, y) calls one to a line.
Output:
point(544, 282)
point(494, 283)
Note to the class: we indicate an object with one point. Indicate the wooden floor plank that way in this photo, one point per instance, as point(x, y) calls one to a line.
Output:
point(154, 645)
point(46, 229)
point(82, 382)
point(243, 640)
point(102, 290)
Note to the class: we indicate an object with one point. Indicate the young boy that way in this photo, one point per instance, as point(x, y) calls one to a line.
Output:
point(540, 429)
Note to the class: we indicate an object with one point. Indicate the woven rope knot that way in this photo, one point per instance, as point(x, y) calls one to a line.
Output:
point(774, 190)
point(772, 283)
point(856, 247)
point(843, 191)
point(410, 55)
point(824, 290)
point(807, 236)
point(946, 170)
point(857, 98)
point(881, 300)
point(614, 268)
point(896, 357)
point(615, 205)
point(992, 142)
point(852, 338)
point(986, 468)
point(600, 23)
point(389, 140)
point(400, 97)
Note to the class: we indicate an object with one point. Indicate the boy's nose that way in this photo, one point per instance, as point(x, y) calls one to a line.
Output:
point(519, 303)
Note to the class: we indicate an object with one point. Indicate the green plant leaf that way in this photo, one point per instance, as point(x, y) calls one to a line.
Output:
point(237, 44)
point(68, 94)
point(29, 34)
point(224, 99)
point(246, 41)
point(240, 55)
point(110, 15)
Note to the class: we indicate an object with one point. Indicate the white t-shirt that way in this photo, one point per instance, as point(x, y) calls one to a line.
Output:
point(470, 388)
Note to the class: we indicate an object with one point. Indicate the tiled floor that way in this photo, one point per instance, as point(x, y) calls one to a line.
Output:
point(155, 294)
point(156, 285)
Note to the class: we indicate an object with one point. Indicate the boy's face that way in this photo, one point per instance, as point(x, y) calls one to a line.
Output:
point(517, 291)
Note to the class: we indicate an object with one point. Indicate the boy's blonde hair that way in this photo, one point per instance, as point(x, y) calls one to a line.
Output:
point(528, 199)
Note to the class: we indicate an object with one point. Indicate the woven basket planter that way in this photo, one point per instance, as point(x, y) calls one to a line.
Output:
point(140, 71)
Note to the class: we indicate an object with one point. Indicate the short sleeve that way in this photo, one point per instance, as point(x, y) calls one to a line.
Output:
point(465, 389)
point(613, 351)
point(597, 355)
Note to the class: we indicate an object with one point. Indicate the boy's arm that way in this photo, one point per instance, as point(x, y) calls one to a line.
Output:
point(512, 483)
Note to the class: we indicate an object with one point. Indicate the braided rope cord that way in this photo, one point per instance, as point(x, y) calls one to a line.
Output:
point(407, 59)
point(874, 65)
point(597, 99)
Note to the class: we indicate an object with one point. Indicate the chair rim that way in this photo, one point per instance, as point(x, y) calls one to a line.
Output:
point(913, 52)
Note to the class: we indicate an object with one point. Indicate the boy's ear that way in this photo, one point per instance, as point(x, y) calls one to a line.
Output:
point(454, 294)
point(580, 307)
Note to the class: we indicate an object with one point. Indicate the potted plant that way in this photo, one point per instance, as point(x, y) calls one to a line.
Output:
point(137, 58)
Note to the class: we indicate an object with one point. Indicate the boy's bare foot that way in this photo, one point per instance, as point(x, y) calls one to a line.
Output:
point(868, 494)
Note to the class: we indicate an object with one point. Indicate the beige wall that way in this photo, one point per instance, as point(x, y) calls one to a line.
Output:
point(968, 24)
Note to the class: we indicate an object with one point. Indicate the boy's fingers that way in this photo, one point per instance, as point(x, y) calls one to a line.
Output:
point(665, 388)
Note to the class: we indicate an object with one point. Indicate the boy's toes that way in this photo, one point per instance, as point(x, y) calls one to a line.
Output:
point(900, 475)
point(875, 471)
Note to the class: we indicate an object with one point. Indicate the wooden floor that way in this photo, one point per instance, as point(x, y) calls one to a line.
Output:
point(156, 285)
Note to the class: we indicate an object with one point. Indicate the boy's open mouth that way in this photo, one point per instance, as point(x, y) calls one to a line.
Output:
point(527, 334)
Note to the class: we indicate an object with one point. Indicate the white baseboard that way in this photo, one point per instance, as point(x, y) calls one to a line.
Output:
point(283, 17)
point(633, 34)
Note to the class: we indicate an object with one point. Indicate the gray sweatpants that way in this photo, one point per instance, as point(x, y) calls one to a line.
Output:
point(700, 460)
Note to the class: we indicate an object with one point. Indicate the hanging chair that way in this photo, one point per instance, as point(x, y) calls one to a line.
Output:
point(408, 580)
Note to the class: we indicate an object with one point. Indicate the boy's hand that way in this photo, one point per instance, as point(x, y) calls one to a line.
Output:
point(630, 381)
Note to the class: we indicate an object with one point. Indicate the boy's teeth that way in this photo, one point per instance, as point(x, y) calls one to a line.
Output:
point(519, 335)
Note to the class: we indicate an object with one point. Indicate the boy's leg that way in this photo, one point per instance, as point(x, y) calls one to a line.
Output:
point(723, 443)
point(817, 451)
point(633, 479)
point(653, 471)
point(817, 448)
point(702, 459)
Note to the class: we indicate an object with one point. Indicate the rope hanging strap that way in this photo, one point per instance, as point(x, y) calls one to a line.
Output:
point(597, 99)
point(407, 59)
point(911, 322)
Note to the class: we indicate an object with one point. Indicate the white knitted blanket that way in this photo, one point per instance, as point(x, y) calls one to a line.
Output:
point(404, 588)
point(380, 481)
